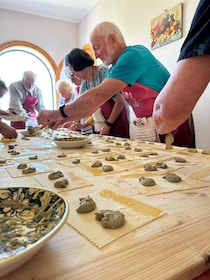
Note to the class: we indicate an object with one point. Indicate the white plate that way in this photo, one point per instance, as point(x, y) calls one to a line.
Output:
point(13, 118)
point(21, 222)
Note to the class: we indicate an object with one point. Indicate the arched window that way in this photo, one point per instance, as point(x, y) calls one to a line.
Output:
point(19, 56)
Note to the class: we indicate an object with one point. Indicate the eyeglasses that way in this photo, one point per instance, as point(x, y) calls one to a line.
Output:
point(69, 74)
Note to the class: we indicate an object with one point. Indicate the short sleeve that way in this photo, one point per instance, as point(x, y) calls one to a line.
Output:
point(197, 41)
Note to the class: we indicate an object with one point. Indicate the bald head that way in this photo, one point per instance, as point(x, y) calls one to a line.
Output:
point(107, 42)
point(105, 28)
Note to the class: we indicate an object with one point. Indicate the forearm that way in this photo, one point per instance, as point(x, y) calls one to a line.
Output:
point(2, 112)
point(176, 101)
point(86, 104)
point(83, 106)
point(15, 104)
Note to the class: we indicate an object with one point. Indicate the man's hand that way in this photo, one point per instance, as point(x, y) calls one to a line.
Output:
point(7, 131)
point(49, 119)
point(5, 113)
point(105, 130)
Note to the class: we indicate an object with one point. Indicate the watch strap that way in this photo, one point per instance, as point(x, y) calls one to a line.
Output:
point(61, 109)
point(109, 124)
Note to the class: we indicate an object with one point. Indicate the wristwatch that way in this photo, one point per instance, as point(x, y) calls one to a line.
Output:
point(61, 109)
point(109, 124)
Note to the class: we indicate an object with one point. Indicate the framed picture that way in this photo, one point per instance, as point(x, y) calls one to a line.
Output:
point(167, 27)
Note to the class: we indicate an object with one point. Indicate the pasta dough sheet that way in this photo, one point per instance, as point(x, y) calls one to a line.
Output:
point(25, 158)
point(201, 174)
point(124, 165)
point(103, 155)
point(75, 178)
point(118, 166)
point(71, 154)
point(136, 213)
point(172, 166)
point(129, 155)
point(162, 185)
point(8, 162)
point(40, 168)
point(69, 161)
point(190, 159)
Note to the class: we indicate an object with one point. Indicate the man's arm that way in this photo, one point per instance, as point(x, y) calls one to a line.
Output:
point(16, 100)
point(84, 105)
point(175, 102)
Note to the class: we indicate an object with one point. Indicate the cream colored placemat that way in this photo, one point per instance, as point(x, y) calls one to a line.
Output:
point(118, 166)
point(172, 166)
point(40, 168)
point(201, 174)
point(19, 182)
point(8, 162)
point(27, 158)
point(75, 177)
point(162, 185)
point(98, 154)
point(190, 159)
point(136, 213)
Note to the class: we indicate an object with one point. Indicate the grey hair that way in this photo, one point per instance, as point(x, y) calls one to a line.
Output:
point(29, 73)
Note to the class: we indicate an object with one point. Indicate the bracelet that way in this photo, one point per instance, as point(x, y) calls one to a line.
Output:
point(109, 124)
point(61, 109)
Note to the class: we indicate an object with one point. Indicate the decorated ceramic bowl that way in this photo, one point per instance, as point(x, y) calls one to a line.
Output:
point(29, 217)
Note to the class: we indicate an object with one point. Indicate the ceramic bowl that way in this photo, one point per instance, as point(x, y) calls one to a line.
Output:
point(71, 144)
point(29, 217)
point(71, 141)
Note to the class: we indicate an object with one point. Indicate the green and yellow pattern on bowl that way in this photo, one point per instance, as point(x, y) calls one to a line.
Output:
point(29, 217)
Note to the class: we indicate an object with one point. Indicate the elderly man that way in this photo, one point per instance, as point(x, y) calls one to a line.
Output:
point(135, 72)
point(25, 99)
point(5, 130)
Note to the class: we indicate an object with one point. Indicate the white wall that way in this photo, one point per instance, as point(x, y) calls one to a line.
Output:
point(56, 37)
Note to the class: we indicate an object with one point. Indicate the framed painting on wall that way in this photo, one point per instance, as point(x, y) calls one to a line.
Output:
point(167, 27)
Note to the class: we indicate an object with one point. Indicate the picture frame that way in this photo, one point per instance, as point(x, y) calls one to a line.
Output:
point(167, 27)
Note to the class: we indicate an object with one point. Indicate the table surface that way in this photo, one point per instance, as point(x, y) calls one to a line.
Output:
point(172, 246)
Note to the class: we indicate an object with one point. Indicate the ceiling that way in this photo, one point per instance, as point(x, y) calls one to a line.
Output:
point(69, 10)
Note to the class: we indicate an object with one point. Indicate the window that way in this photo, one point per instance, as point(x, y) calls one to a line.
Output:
point(15, 59)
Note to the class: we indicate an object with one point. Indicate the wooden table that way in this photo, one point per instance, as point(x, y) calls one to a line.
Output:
point(174, 246)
